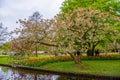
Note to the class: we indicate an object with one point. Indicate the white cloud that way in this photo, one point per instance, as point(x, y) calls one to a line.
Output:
point(12, 10)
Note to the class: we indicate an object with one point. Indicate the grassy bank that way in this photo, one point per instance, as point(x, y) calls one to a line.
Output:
point(107, 67)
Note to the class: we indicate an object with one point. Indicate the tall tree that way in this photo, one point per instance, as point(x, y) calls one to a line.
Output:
point(110, 6)
point(84, 29)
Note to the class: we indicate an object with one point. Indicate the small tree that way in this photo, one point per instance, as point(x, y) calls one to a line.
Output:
point(35, 32)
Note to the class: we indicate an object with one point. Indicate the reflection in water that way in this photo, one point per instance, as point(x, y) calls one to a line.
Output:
point(15, 75)
point(19, 74)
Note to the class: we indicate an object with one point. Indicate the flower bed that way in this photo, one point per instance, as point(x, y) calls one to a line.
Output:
point(43, 61)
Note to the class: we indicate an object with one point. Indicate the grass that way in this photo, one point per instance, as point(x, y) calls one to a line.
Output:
point(93, 65)
point(41, 56)
point(107, 67)
point(4, 59)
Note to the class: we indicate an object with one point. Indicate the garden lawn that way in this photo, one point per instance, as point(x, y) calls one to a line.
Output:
point(105, 67)
point(41, 56)
point(3, 59)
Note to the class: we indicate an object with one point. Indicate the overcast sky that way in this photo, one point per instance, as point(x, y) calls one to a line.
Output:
point(12, 10)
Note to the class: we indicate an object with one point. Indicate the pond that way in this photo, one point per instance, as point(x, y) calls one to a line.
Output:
point(19, 74)
point(7, 73)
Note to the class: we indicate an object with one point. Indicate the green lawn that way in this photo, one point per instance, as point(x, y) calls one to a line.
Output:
point(108, 67)
point(3, 59)
point(41, 56)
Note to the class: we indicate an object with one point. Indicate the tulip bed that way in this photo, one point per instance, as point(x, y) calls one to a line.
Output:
point(37, 61)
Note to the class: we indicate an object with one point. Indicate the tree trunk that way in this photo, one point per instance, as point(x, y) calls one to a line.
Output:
point(36, 52)
point(75, 58)
point(90, 52)
point(93, 50)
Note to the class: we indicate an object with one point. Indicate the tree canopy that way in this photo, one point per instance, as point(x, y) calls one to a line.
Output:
point(34, 32)
point(83, 29)
point(112, 6)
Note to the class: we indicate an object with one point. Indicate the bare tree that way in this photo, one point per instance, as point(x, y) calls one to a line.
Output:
point(3, 34)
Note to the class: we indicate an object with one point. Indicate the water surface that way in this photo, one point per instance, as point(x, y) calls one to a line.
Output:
point(21, 74)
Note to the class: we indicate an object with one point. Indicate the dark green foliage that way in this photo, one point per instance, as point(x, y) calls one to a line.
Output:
point(112, 6)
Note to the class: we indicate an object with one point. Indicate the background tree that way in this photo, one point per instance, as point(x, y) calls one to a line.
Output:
point(5, 47)
point(35, 19)
point(84, 29)
point(3, 34)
